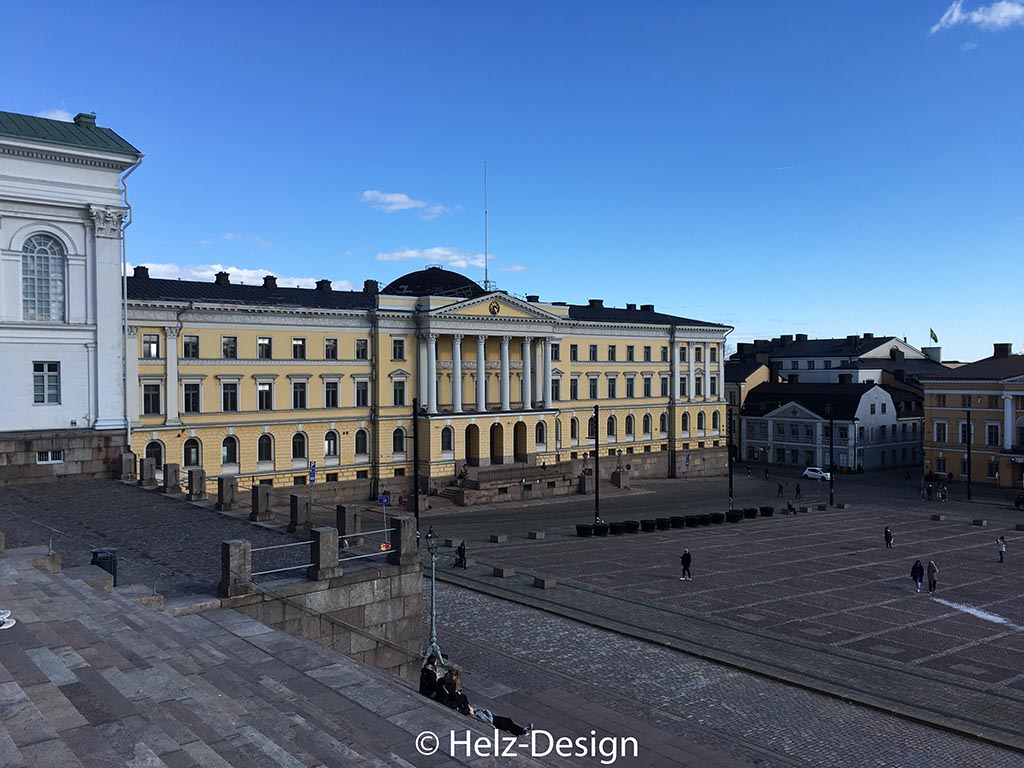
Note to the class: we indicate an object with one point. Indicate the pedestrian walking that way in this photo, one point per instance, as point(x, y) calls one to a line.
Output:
point(929, 491)
point(780, 490)
point(888, 538)
point(798, 490)
point(917, 574)
point(460, 556)
point(685, 560)
point(1001, 543)
point(933, 576)
point(767, 474)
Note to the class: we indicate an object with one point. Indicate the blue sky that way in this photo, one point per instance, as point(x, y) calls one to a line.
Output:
point(798, 167)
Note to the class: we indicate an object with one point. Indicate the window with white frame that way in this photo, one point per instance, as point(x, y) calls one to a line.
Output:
point(630, 387)
point(330, 349)
point(593, 353)
point(398, 392)
point(229, 450)
point(229, 347)
point(190, 399)
point(991, 434)
point(152, 399)
point(941, 432)
point(448, 439)
point(150, 346)
point(630, 353)
point(541, 435)
point(362, 393)
point(192, 453)
point(50, 457)
point(42, 279)
point(46, 383)
point(362, 349)
point(331, 394)
point(331, 445)
point(265, 395)
point(190, 347)
point(298, 349)
point(265, 449)
point(714, 386)
point(299, 446)
point(592, 382)
point(574, 388)
point(647, 386)
point(398, 441)
point(299, 400)
point(362, 443)
point(612, 388)
point(229, 396)
point(264, 348)
point(647, 424)
point(398, 348)
point(664, 386)
point(630, 422)
point(611, 353)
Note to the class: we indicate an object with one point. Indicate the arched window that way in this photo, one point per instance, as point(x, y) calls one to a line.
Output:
point(647, 423)
point(155, 451)
point(447, 439)
point(630, 425)
point(229, 450)
point(331, 445)
point(591, 428)
point(42, 279)
point(700, 421)
point(299, 446)
point(715, 420)
point(362, 442)
point(398, 441)
point(611, 426)
point(193, 456)
point(663, 423)
point(542, 433)
point(574, 429)
point(686, 422)
point(265, 448)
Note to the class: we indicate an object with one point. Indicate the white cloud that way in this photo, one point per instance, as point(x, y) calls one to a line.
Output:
point(452, 257)
point(393, 202)
point(56, 114)
point(968, 46)
point(206, 273)
point(236, 238)
point(999, 15)
point(512, 268)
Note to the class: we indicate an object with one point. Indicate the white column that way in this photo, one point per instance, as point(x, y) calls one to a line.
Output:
point(538, 374)
point(1007, 422)
point(432, 373)
point(690, 391)
point(106, 272)
point(421, 367)
point(707, 381)
point(673, 387)
point(457, 373)
point(171, 357)
point(547, 372)
point(506, 404)
point(721, 370)
point(481, 374)
point(527, 374)
point(132, 379)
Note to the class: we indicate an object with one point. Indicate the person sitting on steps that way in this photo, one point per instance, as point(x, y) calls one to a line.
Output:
point(457, 699)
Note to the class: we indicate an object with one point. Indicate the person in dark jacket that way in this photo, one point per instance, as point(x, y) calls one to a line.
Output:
point(428, 677)
point(779, 495)
point(460, 556)
point(888, 538)
point(933, 576)
point(917, 574)
point(459, 701)
point(798, 490)
point(684, 560)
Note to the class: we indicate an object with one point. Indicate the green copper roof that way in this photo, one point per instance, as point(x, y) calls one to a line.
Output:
point(83, 133)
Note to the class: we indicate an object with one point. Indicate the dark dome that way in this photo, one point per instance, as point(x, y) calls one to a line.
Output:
point(434, 281)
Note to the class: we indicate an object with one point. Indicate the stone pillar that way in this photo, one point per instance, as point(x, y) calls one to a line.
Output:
point(504, 388)
point(171, 393)
point(172, 479)
point(324, 543)
point(421, 367)
point(673, 387)
point(690, 391)
point(298, 511)
point(457, 373)
point(1007, 422)
point(547, 372)
point(259, 507)
point(227, 493)
point(127, 466)
point(403, 543)
point(235, 568)
point(481, 374)
point(538, 375)
point(347, 523)
point(432, 373)
point(721, 370)
point(147, 473)
point(527, 374)
point(707, 379)
point(196, 485)
point(106, 379)
point(131, 344)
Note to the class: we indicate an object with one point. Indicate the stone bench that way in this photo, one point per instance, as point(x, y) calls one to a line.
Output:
point(979, 522)
point(803, 509)
point(938, 518)
point(504, 571)
point(535, 535)
point(544, 582)
point(822, 507)
point(498, 538)
point(842, 506)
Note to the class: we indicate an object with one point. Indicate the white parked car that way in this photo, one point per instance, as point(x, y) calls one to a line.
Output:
point(816, 473)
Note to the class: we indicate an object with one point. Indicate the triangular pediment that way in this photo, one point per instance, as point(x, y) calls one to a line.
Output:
point(793, 410)
point(494, 305)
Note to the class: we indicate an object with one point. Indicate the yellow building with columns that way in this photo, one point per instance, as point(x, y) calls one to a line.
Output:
point(264, 382)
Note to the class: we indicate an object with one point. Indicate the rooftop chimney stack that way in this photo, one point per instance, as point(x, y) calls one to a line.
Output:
point(646, 307)
point(1002, 350)
point(371, 287)
point(596, 303)
point(269, 281)
point(631, 307)
point(223, 278)
point(85, 119)
point(142, 273)
point(533, 298)
point(323, 285)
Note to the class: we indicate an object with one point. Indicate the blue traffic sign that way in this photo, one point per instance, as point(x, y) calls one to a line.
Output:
point(312, 472)
point(384, 500)
point(687, 458)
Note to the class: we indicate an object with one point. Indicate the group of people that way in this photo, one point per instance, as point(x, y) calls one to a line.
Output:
point(941, 493)
point(445, 687)
point(918, 570)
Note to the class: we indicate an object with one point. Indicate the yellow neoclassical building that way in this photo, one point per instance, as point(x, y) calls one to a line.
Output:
point(266, 382)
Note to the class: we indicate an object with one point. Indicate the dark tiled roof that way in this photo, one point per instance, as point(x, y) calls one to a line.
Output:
point(434, 281)
point(813, 397)
point(63, 133)
point(829, 347)
point(642, 316)
point(153, 289)
point(737, 372)
point(995, 368)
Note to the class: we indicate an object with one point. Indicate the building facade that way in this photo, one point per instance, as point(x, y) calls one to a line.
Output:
point(974, 421)
point(264, 382)
point(61, 325)
point(740, 379)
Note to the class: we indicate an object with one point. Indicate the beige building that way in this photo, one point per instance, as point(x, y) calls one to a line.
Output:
point(987, 395)
point(268, 383)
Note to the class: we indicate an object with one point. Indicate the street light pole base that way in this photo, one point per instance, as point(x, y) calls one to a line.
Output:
point(433, 649)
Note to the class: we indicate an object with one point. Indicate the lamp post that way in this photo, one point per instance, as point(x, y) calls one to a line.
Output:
point(830, 409)
point(728, 443)
point(433, 649)
point(597, 473)
point(416, 465)
point(967, 439)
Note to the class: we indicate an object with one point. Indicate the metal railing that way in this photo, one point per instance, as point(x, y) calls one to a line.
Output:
point(286, 568)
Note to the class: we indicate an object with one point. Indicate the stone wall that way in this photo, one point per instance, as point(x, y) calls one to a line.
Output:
point(87, 454)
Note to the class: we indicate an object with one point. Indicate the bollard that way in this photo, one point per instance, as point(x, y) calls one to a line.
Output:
point(196, 485)
point(298, 512)
point(172, 479)
point(235, 568)
point(227, 493)
point(147, 473)
point(347, 521)
point(259, 510)
point(126, 465)
point(403, 541)
point(324, 542)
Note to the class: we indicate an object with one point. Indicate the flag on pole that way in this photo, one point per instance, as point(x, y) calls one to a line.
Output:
point(931, 332)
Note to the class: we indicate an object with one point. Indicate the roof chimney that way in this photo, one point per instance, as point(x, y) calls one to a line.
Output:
point(631, 306)
point(269, 281)
point(533, 298)
point(371, 287)
point(85, 119)
point(801, 337)
point(323, 285)
point(141, 272)
point(1002, 350)
point(223, 278)
point(869, 336)
point(786, 339)
point(853, 338)
point(646, 307)
point(596, 303)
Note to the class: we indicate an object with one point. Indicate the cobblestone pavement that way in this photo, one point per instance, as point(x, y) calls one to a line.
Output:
point(161, 539)
point(539, 667)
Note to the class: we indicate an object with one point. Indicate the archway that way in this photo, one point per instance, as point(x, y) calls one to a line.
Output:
point(497, 444)
point(519, 447)
point(473, 445)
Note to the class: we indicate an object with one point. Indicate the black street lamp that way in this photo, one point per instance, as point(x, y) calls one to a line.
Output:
point(830, 410)
point(967, 439)
point(416, 465)
point(597, 473)
point(433, 649)
point(728, 443)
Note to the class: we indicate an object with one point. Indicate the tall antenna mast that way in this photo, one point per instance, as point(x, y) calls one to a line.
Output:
point(487, 282)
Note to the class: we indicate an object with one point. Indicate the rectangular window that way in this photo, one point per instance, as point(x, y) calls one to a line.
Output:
point(714, 386)
point(46, 383)
point(810, 365)
point(398, 392)
point(151, 400)
point(298, 349)
point(647, 386)
point(697, 352)
point(965, 401)
point(647, 354)
point(574, 352)
point(229, 347)
point(992, 434)
point(630, 353)
point(298, 395)
point(940, 401)
point(664, 354)
point(828, 363)
point(963, 433)
point(362, 349)
point(49, 457)
point(993, 469)
point(612, 389)
point(362, 394)
point(684, 388)
point(190, 399)
point(941, 435)
point(331, 398)
point(698, 387)
point(795, 365)
point(556, 352)
point(872, 409)
point(664, 386)
point(993, 401)
point(593, 353)
point(593, 388)
point(713, 354)
point(630, 387)
point(190, 347)
point(330, 349)
point(940, 464)
point(884, 407)
point(963, 466)
point(682, 353)
point(229, 396)
point(574, 389)
point(397, 349)
point(264, 348)
point(150, 346)
point(611, 353)
point(264, 396)
point(556, 389)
